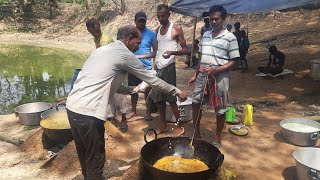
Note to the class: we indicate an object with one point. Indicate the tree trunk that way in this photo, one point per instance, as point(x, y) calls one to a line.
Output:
point(21, 4)
point(88, 4)
point(53, 6)
point(123, 6)
point(99, 3)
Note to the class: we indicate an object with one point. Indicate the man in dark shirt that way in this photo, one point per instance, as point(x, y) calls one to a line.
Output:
point(206, 27)
point(276, 62)
point(237, 32)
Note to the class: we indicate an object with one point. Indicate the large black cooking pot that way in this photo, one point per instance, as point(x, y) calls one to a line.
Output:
point(159, 148)
point(56, 136)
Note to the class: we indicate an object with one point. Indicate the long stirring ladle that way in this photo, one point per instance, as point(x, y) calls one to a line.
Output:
point(189, 149)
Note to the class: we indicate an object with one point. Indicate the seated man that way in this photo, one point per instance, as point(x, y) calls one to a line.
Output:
point(276, 62)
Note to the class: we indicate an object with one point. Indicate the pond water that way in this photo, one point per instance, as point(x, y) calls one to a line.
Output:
point(33, 74)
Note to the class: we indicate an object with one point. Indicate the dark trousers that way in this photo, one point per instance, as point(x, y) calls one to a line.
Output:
point(243, 57)
point(88, 134)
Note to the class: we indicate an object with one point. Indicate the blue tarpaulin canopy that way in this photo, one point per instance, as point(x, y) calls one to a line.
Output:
point(197, 7)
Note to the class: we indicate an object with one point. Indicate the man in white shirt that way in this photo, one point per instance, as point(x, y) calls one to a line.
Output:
point(99, 79)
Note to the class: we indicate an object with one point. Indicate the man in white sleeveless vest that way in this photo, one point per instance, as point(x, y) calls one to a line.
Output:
point(169, 35)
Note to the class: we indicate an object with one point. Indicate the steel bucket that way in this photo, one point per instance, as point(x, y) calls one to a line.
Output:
point(307, 163)
point(185, 109)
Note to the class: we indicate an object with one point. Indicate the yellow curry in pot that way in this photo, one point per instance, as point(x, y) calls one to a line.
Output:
point(58, 120)
point(177, 164)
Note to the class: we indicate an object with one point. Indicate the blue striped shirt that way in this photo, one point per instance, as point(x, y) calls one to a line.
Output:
point(217, 51)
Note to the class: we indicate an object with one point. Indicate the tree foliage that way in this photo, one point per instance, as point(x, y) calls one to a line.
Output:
point(53, 5)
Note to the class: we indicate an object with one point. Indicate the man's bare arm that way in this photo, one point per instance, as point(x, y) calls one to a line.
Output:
point(179, 36)
point(152, 54)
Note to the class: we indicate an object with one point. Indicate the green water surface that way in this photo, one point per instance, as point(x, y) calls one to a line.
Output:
point(33, 74)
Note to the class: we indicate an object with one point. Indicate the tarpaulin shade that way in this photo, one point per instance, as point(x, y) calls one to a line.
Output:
point(197, 7)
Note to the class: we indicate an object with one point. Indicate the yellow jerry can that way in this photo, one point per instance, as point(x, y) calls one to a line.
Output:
point(247, 115)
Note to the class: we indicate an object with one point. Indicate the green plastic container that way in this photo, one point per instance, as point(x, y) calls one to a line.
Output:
point(231, 114)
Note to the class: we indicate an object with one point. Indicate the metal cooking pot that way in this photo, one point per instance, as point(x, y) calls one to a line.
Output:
point(307, 163)
point(301, 138)
point(52, 134)
point(315, 69)
point(185, 109)
point(30, 113)
point(159, 148)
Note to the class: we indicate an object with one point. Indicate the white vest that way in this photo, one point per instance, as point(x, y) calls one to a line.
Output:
point(165, 43)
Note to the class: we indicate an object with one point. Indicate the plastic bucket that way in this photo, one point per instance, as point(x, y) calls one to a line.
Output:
point(231, 114)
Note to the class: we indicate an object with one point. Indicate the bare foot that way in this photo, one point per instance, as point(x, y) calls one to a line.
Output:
point(176, 132)
point(131, 115)
point(217, 139)
point(161, 131)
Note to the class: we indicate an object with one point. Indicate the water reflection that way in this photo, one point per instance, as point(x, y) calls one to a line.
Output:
point(46, 76)
point(32, 74)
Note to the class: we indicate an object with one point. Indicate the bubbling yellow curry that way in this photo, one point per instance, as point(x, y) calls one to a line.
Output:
point(58, 120)
point(177, 164)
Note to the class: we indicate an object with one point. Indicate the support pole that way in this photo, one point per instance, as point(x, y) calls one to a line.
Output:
point(193, 38)
point(248, 15)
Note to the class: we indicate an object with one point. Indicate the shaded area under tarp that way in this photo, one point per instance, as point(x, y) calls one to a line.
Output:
point(197, 7)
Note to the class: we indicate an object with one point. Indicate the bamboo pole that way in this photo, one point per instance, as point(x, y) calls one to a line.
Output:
point(248, 14)
point(193, 38)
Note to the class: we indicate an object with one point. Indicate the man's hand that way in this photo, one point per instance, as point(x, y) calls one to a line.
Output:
point(192, 80)
point(137, 89)
point(182, 96)
point(210, 70)
point(166, 54)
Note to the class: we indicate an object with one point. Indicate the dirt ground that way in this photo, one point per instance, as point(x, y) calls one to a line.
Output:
point(262, 154)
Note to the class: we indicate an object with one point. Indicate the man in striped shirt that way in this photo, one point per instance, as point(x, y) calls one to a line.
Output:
point(219, 54)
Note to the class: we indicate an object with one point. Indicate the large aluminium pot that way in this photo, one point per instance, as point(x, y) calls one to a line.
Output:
point(56, 126)
point(301, 137)
point(159, 148)
point(307, 163)
point(185, 109)
point(30, 113)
